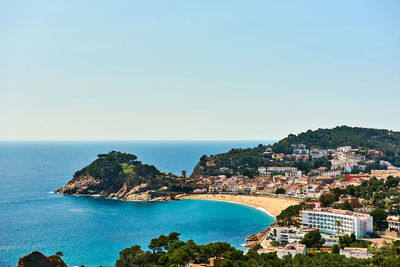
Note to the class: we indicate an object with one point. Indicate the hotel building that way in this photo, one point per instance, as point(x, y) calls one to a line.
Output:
point(337, 222)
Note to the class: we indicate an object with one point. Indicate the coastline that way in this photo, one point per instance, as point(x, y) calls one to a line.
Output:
point(270, 205)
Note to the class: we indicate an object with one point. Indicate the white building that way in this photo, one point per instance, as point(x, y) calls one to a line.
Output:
point(337, 164)
point(262, 171)
point(284, 235)
point(338, 222)
point(213, 189)
point(360, 253)
point(233, 189)
point(393, 224)
point(282, 169)
point(292, 249)
point(344, 149)
point(331, 173)
point(247, 189)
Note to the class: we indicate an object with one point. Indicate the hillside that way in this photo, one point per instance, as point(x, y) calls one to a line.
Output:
point(368, 138)
point(118, 175)
point(246, 161)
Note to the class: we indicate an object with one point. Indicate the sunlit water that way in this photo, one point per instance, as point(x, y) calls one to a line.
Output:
point(92, 231)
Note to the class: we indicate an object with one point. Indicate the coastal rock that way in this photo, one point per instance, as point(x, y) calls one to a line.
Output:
point(256, 239)
point(37, 259)
point(86, 186)
point(92, 187)
point(119, 176)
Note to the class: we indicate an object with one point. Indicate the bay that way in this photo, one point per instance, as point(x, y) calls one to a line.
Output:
point(92, 231)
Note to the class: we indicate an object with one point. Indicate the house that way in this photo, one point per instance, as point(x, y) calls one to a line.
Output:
point(200, 191)
point(224, 169)
point(383, 174)
point(332, 173)
point(213, 189)
point(262, 171)
point(352, 201)
point(282, 169)
point(249, 188)
point(325, 179)
point(233, 189)
point(360, 253)
point(344, 149)
point(393, 228)
point(292, 249)
point(210, 164)
point(337, 164)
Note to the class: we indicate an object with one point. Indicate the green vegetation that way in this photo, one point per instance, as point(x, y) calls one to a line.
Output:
point(241, 161)
point(379, 217)
point(59, 254)
point(367, 138)
point(287, 215)
point(377, 193)
point(280, 191)
point(246, 161)
point(117, 165)
point(335, 249)
point(352, 241)
point(345, 206)
point(313, 239)
point(326, 199)
point(127, 168)
point(170, 251)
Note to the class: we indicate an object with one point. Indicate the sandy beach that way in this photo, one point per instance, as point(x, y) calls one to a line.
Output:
point(271, 204)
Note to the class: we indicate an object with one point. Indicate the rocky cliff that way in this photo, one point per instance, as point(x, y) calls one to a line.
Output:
point(37, 259)
point(120, 176)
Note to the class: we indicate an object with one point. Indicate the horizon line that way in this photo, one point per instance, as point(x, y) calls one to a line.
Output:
point(139, 140)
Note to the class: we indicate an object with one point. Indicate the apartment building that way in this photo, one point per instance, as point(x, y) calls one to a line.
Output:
point(338, 222)
point(282, 169)
point(284, 235)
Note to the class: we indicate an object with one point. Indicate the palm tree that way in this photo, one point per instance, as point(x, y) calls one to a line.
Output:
point(338, 224)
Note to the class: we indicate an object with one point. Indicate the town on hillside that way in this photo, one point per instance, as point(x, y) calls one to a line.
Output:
point(348, 200)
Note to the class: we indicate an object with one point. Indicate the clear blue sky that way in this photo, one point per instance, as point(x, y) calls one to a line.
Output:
point(167, 70)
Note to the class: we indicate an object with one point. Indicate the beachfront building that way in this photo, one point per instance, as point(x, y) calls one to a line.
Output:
point(284, 235)
point(360, 253)
point(337, 222)
point(249, 188)
point(213, 189)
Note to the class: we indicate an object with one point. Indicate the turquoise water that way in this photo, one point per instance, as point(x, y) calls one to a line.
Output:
point(92, 231)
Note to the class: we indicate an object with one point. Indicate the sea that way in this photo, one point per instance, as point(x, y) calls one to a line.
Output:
point(92, 231)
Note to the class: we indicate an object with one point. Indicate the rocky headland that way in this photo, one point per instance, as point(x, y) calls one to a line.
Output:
point(37, 259)
point(119, 176)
